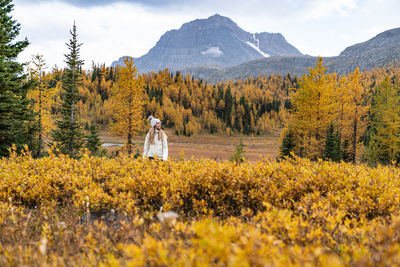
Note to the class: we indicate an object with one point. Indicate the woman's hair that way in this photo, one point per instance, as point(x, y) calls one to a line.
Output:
point(152, 132)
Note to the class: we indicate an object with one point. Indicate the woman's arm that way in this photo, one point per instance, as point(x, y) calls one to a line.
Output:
point(146, 146)
point(165, 148)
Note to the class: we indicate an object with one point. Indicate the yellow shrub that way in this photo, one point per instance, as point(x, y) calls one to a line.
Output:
point(294, 212)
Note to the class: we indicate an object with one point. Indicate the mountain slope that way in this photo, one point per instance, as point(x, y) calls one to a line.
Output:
point(215, 41)
point(381, 51)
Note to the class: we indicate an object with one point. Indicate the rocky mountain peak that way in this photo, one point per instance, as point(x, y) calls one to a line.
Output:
point(214, 41)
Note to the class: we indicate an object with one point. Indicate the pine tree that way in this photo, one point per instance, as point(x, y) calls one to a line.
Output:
point(68, 136)
point(332, 149)
point(16, 115)
point(239, 154)
point(228, 106)
point(93, 142)
point(346, 152)
point(384, 140)
point(288, 144)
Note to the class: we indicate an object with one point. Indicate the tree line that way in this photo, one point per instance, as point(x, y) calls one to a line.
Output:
point(350, 117)
point(188, 105)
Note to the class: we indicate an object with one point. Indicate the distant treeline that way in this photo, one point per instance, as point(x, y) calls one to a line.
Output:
point(353, 117)
point(337, 117)
point(188, 105)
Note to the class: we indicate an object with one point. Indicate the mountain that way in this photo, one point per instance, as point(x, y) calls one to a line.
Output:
point(378, 51)
point(381, 51)
point(254, 68)
point(216, 41)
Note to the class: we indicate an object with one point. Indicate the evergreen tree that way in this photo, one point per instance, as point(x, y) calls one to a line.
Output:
point(347, 153)
point(228, 106)
point(384, 141)
point(16, 115)
point(332, 149)
point(69, 136)
point(288, 144)
point(239, 154)
point(93, 142)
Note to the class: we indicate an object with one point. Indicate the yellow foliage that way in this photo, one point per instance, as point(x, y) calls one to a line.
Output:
point(315, 108)
point(295, 212)
point(128, 97)
point(42, 95)
point(352, 107)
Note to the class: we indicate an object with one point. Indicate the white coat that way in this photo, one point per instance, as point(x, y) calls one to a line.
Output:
point(158, 149)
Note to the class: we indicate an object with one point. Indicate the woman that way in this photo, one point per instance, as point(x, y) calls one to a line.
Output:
point(155, 144)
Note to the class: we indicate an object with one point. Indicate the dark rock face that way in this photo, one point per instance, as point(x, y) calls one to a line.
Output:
point(215, 41)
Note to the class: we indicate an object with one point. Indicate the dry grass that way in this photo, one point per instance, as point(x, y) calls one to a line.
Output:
point(212, 146)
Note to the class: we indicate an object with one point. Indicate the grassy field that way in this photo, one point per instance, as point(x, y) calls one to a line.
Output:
point(211, 146)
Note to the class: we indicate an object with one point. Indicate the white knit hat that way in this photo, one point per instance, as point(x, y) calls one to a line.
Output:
point(153, 121)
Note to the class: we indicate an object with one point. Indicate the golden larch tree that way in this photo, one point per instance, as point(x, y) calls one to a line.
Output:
point(353, 107)
point(128, 99)
point(314, 110)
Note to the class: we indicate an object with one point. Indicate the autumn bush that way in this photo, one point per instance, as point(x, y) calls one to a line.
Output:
point(97, 211)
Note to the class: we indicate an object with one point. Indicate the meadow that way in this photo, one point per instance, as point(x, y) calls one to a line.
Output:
point(57, 211)
point(218, 147)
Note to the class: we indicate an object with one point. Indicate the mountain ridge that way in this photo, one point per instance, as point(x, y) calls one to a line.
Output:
point(215, 41)
point(216, 49)
point(383, 50)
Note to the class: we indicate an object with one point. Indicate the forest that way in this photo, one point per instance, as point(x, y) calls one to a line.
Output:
point(322, 115)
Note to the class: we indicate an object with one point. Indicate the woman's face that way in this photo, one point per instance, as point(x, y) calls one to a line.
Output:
point(158, 126)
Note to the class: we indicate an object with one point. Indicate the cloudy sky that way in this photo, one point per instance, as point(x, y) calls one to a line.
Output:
point(109, 29)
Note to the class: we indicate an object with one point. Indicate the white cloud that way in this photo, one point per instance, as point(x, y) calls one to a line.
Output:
point(318, 9)
point(109, 31)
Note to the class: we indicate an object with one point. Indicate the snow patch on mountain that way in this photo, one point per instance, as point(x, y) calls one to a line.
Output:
point(256, 40)
point(257, 49)
point(213, 51)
